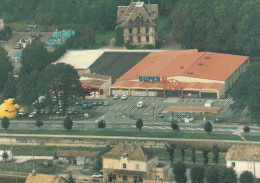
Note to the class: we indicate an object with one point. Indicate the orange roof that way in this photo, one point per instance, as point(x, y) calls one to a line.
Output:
point(189, 63)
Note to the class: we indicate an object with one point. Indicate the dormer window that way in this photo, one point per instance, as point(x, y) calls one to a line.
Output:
point(124, 155)
point(124, 165)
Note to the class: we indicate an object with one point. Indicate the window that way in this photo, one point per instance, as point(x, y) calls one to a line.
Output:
point(111, 178)
point(130, 30)
point(124, 178)
point(131, 38)
point(249, 165)
point(138, 179)
point(139, 39)
point(233, 164)
point(147, 39)
point(147, 30)
point(138, 30)
point(137, 167)
point(124, 165)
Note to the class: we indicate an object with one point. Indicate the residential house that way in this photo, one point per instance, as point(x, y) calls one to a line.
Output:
point(2, 27)
point(139, 23)
point(133, 163)
point(244, 158)
point(76, 157)
point(44, 178)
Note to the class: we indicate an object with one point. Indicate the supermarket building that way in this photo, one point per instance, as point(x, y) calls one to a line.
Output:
point(182, 73)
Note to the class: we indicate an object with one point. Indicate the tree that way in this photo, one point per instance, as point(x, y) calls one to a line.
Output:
point(35, 57)
point(228, 175)
point(71, 179)
point(215, 151)
point(246, 177)
point(101, 123)
point(175, 126)
point(212, 174)
point(5, 156)
point(246, 94)
point(170, 150)
point(182, 153)
point(197, 174)
point(205, 156)
point(139, 124)
point(61, 81)
point(68, 123)
point(179, 171)
point(39, 123)
point(246, 129)
point(193, 155)
point(208, 127)
point(98, 163)
point(9, 90)
point(5, 123)
point(5, 67)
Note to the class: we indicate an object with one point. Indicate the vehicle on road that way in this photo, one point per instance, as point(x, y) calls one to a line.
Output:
point(97, 175)
point(140, 104)
point(86, 115)
point(160, 115)
point(31, 115)
point(23, 111)
point(95, 103)
point(100, 102)
point(115, 97)
point(123, 97)
point(75, 111)
point(106, 103)
point(209, 103)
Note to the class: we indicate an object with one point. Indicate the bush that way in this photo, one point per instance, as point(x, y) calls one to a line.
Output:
point(68, 123)
point(179, 171)
point(5, 123)
point(246, 177)
point(101, 124)
point(208, 127)
point(197, 173)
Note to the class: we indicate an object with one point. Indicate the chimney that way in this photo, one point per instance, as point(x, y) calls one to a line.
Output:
point(132, 147)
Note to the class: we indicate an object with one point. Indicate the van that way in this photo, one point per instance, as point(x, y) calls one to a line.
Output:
point(209, 103)
point(140, 104)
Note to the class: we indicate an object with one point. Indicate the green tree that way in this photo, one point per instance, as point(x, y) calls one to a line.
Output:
point(183, 153)
point(68, 123)
point(175, 127)
point(5, 156)
point(193, 155)
point(197, 174)
point(5, 123)
point(71, 179)
point(170, 148)
point(119, 36)
point(139, 124)
point(228, 175)
point(205, 156)
point(98, 163)
point(215, 151)
point(101, 123)
point(5, 67)
point(9, 90)
point(62, 82)
point(246, 129)
point(39, 123)
point(212, 174)
point(179, 171)
point(208, 127)
point(246, 93)
point(35, 57)
point(246, 177)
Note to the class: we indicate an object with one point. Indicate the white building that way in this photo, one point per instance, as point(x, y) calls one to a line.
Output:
point(244, 158)
point(2, 26)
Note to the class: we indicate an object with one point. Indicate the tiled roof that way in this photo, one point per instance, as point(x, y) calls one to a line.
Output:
point(188, 63)
point(146, 14)
point(43, 178)
point(133, 151)
point(244, 153)
point(75, 153)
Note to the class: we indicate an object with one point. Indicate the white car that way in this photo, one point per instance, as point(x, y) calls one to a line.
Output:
point(116, 97)
point(140, 104)
point(32, 114)
point(97, 175)
point(123, 97)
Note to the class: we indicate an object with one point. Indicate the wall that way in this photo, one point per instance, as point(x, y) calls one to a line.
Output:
point(241, 166)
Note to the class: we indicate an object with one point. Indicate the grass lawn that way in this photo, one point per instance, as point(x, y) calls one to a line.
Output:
point(105, 132)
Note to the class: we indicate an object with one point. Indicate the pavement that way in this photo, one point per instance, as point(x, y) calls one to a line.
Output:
point(21, 159)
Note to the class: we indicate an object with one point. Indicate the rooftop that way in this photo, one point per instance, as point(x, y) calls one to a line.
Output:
point(132, 152)
point(76, 153)
point(43, 178)
point(244, 153)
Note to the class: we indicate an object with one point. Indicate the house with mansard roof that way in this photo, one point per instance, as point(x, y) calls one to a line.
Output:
point(139, 23)
point(133, 163)
point(244, 158)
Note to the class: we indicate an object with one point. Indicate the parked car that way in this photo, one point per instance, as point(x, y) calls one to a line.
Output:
point(123, 97)
point(160, 115)
point(106, 103)
point(116, 97)
point(86, 115)
point(97, 175)
point(94, 103)
point(100, 102)
point(31, 115)
point(223, 96)
point(75, 112)
point(140, 104)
